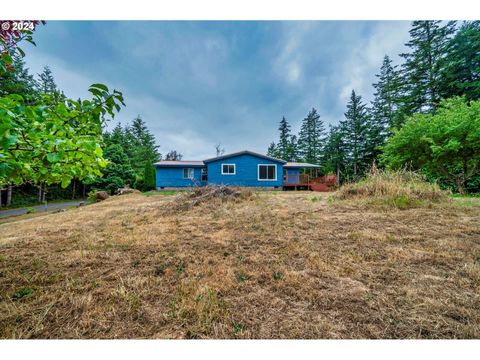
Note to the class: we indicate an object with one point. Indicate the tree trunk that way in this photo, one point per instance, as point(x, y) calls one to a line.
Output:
point(73, 188)
point(44, 192)
point(338, 176)
point(9, 195)
point(40, 193)
point(460, 187)
point(83, 191)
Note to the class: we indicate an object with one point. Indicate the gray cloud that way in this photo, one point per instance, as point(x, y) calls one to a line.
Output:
point(197, 84)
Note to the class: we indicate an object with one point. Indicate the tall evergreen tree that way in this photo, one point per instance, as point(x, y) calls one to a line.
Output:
point(311, 138)
point(293, 150)
point(273, 150)
point(173, 155)
point(386, 97)
point(142, 142)
point(461, 72)
point(422, 69)
point(335, 153)
point(118, 173)
point(286, 145)
point(46, 85)
point(355, 131)
point(18, 81)
point(149, 176)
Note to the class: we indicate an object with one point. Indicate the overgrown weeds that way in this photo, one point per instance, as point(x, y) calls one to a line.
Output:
point(402, 189)
point(211, 195)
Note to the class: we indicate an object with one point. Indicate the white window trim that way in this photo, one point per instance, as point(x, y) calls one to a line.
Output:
point(234, 169)
point(258, 172)
point(188, 177)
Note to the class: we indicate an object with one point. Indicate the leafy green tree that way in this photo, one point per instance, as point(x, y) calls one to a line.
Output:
point(355, 131)
point(461, 70)
point(422, 69)
point(311, 138)
point(49, 142)
point(446, 144)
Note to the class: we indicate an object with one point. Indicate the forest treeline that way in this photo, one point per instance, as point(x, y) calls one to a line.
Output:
point(425, 115)
point(441, 64)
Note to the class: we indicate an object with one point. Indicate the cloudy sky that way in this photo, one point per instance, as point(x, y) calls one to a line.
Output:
point(197, 84)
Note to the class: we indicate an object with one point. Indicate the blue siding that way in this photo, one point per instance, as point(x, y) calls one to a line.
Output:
point(246, 171)
point(173, 177)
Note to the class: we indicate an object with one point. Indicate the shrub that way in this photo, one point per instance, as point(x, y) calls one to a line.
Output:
point(402, 189)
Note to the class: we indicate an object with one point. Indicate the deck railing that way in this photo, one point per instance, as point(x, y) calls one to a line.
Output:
point(306, 179)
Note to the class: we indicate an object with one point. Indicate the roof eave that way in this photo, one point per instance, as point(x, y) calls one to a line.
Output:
point(239, 153)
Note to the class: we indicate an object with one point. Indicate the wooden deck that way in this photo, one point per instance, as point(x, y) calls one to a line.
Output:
point(306, 182)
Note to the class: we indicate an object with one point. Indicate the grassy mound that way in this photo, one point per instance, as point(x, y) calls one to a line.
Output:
point(402, 189)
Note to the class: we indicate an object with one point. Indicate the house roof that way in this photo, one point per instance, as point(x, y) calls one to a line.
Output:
point(173, 163)
point(244, 152)
point(300, 165)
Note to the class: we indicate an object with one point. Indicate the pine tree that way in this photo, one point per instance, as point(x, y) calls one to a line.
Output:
point(335, 153)
point(173, 155)
point(461, 72)
point(311, 138)
point(286, 145)
point(117, 136)
point(293, 150)
point(386, 97)
point(46, 83)
point(118, 173)
point(18, 81)
point(272, 150)
point(142, 144)
point(149, 176)
point(355, 130)
point(422, 69)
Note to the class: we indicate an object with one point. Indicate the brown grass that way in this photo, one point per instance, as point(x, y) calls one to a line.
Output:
point(401, 189)
point(275, 265)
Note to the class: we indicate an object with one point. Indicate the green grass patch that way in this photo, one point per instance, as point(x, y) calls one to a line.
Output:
point(22, 293)
point(466, 201)
point(237, 327)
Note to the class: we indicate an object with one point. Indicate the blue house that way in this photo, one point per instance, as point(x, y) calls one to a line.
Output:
point(244, 168)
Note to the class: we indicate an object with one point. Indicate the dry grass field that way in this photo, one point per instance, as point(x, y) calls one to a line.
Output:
point(272, 265)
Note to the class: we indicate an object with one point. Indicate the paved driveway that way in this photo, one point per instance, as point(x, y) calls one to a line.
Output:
point(39, 208)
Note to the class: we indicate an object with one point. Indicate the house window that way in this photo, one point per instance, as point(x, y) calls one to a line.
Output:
point(267, 172)
point(204, 174)
point(188, 173)
point(228, 169)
